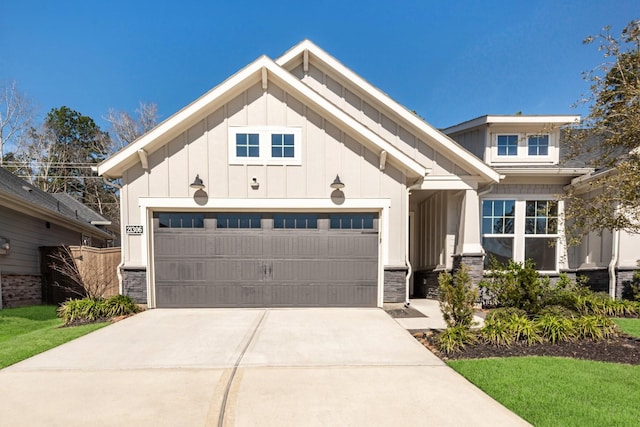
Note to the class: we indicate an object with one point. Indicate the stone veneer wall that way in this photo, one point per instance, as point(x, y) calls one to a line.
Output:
point(425, 283)
point(624, 278)
point(134, 284)
point(19, 290)
point(395, 285)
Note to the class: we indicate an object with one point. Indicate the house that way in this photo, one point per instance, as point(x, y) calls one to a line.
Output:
point(30, 219)
point(291, 184)
point(521, 216)
point(296, 183)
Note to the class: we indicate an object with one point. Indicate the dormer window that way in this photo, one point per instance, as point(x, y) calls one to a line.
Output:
point(507, 145)
point(538, 145)
point(523, 148)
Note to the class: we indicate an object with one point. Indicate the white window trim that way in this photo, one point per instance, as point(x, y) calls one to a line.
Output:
point(522, 156)
point(519, 235)
point(264, 141)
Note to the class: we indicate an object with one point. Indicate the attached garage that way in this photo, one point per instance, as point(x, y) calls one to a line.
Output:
point(208, 259)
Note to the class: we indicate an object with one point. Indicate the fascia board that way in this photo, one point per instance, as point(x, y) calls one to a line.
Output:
point(544, 171)
point(442, 142)
point(36, 211)
point(110, 167)
point(512, 120)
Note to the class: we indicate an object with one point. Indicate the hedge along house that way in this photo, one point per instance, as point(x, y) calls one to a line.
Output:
point(293, 183)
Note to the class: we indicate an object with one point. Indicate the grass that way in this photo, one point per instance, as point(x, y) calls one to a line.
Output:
point(27, 331)
point(629, 326)
point(551, 391)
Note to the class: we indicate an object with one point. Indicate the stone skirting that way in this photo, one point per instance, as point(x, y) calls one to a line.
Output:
point(134, 283)
point(425, 283)
point(395, 288)
point(475, 262)
point(19, 290)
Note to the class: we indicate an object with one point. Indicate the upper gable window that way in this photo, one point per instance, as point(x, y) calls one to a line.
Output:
point(538, 145)
point(265, 145)
point(523, 148)
point(507, 145)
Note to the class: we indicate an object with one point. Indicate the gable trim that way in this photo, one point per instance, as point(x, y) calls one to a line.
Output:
point(441, 142)
point(114, 166)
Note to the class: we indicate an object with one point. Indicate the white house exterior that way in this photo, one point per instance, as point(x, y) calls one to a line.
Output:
point(268, 228)
point(522, 214)
point(296, 183)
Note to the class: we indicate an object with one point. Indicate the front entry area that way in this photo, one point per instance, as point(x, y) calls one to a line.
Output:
point(230, 259)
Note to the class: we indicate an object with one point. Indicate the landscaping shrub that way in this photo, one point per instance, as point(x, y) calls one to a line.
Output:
point(516, 285)
point(455, 338)
point(90, 310)
point(523, 329)
point(555, 329)
point(594, 327)
point(495, 331)
point(557, 310)
point(504, 313)
point(119, 305)
point(457, 297)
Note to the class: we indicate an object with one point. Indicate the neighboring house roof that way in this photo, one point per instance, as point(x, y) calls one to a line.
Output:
point(440, 142)
point(264, 69)
point(19, 193)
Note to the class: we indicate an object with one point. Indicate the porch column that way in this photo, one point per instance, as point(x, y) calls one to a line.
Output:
point(469, 234)
point(469, 250)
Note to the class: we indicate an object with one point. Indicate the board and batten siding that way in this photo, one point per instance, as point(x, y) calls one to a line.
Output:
point(327, 150)
point(26, 234)
point(377, 118)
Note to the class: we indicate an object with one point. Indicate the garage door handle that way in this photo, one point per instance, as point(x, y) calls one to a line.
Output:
point(264, 271)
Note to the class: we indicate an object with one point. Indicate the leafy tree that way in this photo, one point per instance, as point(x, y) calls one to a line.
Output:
point(60, 154)
point(610, 135)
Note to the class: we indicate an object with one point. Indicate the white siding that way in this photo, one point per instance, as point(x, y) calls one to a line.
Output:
point(326, 151)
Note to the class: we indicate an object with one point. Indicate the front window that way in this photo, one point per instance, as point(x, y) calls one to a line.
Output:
point(507, 145)
point(498, 218)
point(538, 145)
point(521, 229)
point(541, 231)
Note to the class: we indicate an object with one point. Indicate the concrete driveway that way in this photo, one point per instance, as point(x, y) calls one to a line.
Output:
point(245, 367)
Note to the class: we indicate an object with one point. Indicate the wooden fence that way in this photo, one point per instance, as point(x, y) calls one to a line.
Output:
point(96, 268)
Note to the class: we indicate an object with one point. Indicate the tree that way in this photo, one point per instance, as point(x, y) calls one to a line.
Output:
point(610, 134)
point(127, 129)
point(16, 115)
point(59, 156)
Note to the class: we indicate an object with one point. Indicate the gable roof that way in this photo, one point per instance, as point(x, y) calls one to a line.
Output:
point(262, 68)
point(18, 192)
point(438, 140)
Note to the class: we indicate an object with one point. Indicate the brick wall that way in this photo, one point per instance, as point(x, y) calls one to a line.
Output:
point(134, 284)
point(20, 290)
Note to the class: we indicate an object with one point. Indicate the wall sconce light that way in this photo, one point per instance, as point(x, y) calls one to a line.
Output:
point(4, 246)
point(197, 183)
point(254, 183)
point(337, 184)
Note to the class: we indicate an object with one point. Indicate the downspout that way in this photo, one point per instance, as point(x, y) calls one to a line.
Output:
point(615, 243)
point(416, 185)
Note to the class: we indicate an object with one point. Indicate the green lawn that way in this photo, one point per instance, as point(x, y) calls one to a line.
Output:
point(27, 331)
point(551, 391)
point(629, 326)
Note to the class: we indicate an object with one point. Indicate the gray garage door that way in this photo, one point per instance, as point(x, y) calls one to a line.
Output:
point(265, 260)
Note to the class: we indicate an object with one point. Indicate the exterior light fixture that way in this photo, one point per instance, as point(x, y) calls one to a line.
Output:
point(337, 184)
point(197, 183)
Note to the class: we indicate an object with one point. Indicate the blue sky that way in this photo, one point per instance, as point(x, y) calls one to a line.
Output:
point(450, 61)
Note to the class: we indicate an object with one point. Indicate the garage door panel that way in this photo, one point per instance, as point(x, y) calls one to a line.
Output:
point(266, 267)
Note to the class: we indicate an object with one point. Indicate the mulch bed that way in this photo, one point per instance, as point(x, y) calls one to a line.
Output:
point(622, 349)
